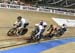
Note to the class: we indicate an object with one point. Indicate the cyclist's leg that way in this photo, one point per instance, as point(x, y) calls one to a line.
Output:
point(40, 35)
point(20, 30)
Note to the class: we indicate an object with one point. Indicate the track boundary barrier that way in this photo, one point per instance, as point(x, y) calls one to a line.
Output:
point(30, 8)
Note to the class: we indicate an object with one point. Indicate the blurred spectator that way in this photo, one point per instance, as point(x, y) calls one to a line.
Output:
point(14, 2)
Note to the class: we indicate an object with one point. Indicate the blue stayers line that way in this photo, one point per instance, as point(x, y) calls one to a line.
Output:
point(39, 47)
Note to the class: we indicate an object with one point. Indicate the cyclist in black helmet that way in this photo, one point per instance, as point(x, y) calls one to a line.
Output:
point(20, 23)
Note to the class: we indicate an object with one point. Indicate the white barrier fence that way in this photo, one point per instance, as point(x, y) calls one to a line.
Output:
point(29, 8)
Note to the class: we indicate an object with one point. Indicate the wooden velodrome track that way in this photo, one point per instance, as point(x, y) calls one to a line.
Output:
point(8, 17)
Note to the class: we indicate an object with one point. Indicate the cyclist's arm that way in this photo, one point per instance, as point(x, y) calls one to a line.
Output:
point(49, 28)
point(15, 23)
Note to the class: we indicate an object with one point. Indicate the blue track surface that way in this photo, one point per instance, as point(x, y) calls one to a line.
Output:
point(39, 47)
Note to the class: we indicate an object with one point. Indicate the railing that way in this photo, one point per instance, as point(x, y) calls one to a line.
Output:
point(69, 5)
point(56, 2)
point(30, 8)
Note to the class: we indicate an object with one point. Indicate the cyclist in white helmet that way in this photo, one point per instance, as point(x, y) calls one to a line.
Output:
point(44, 24)
point(40, 29)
